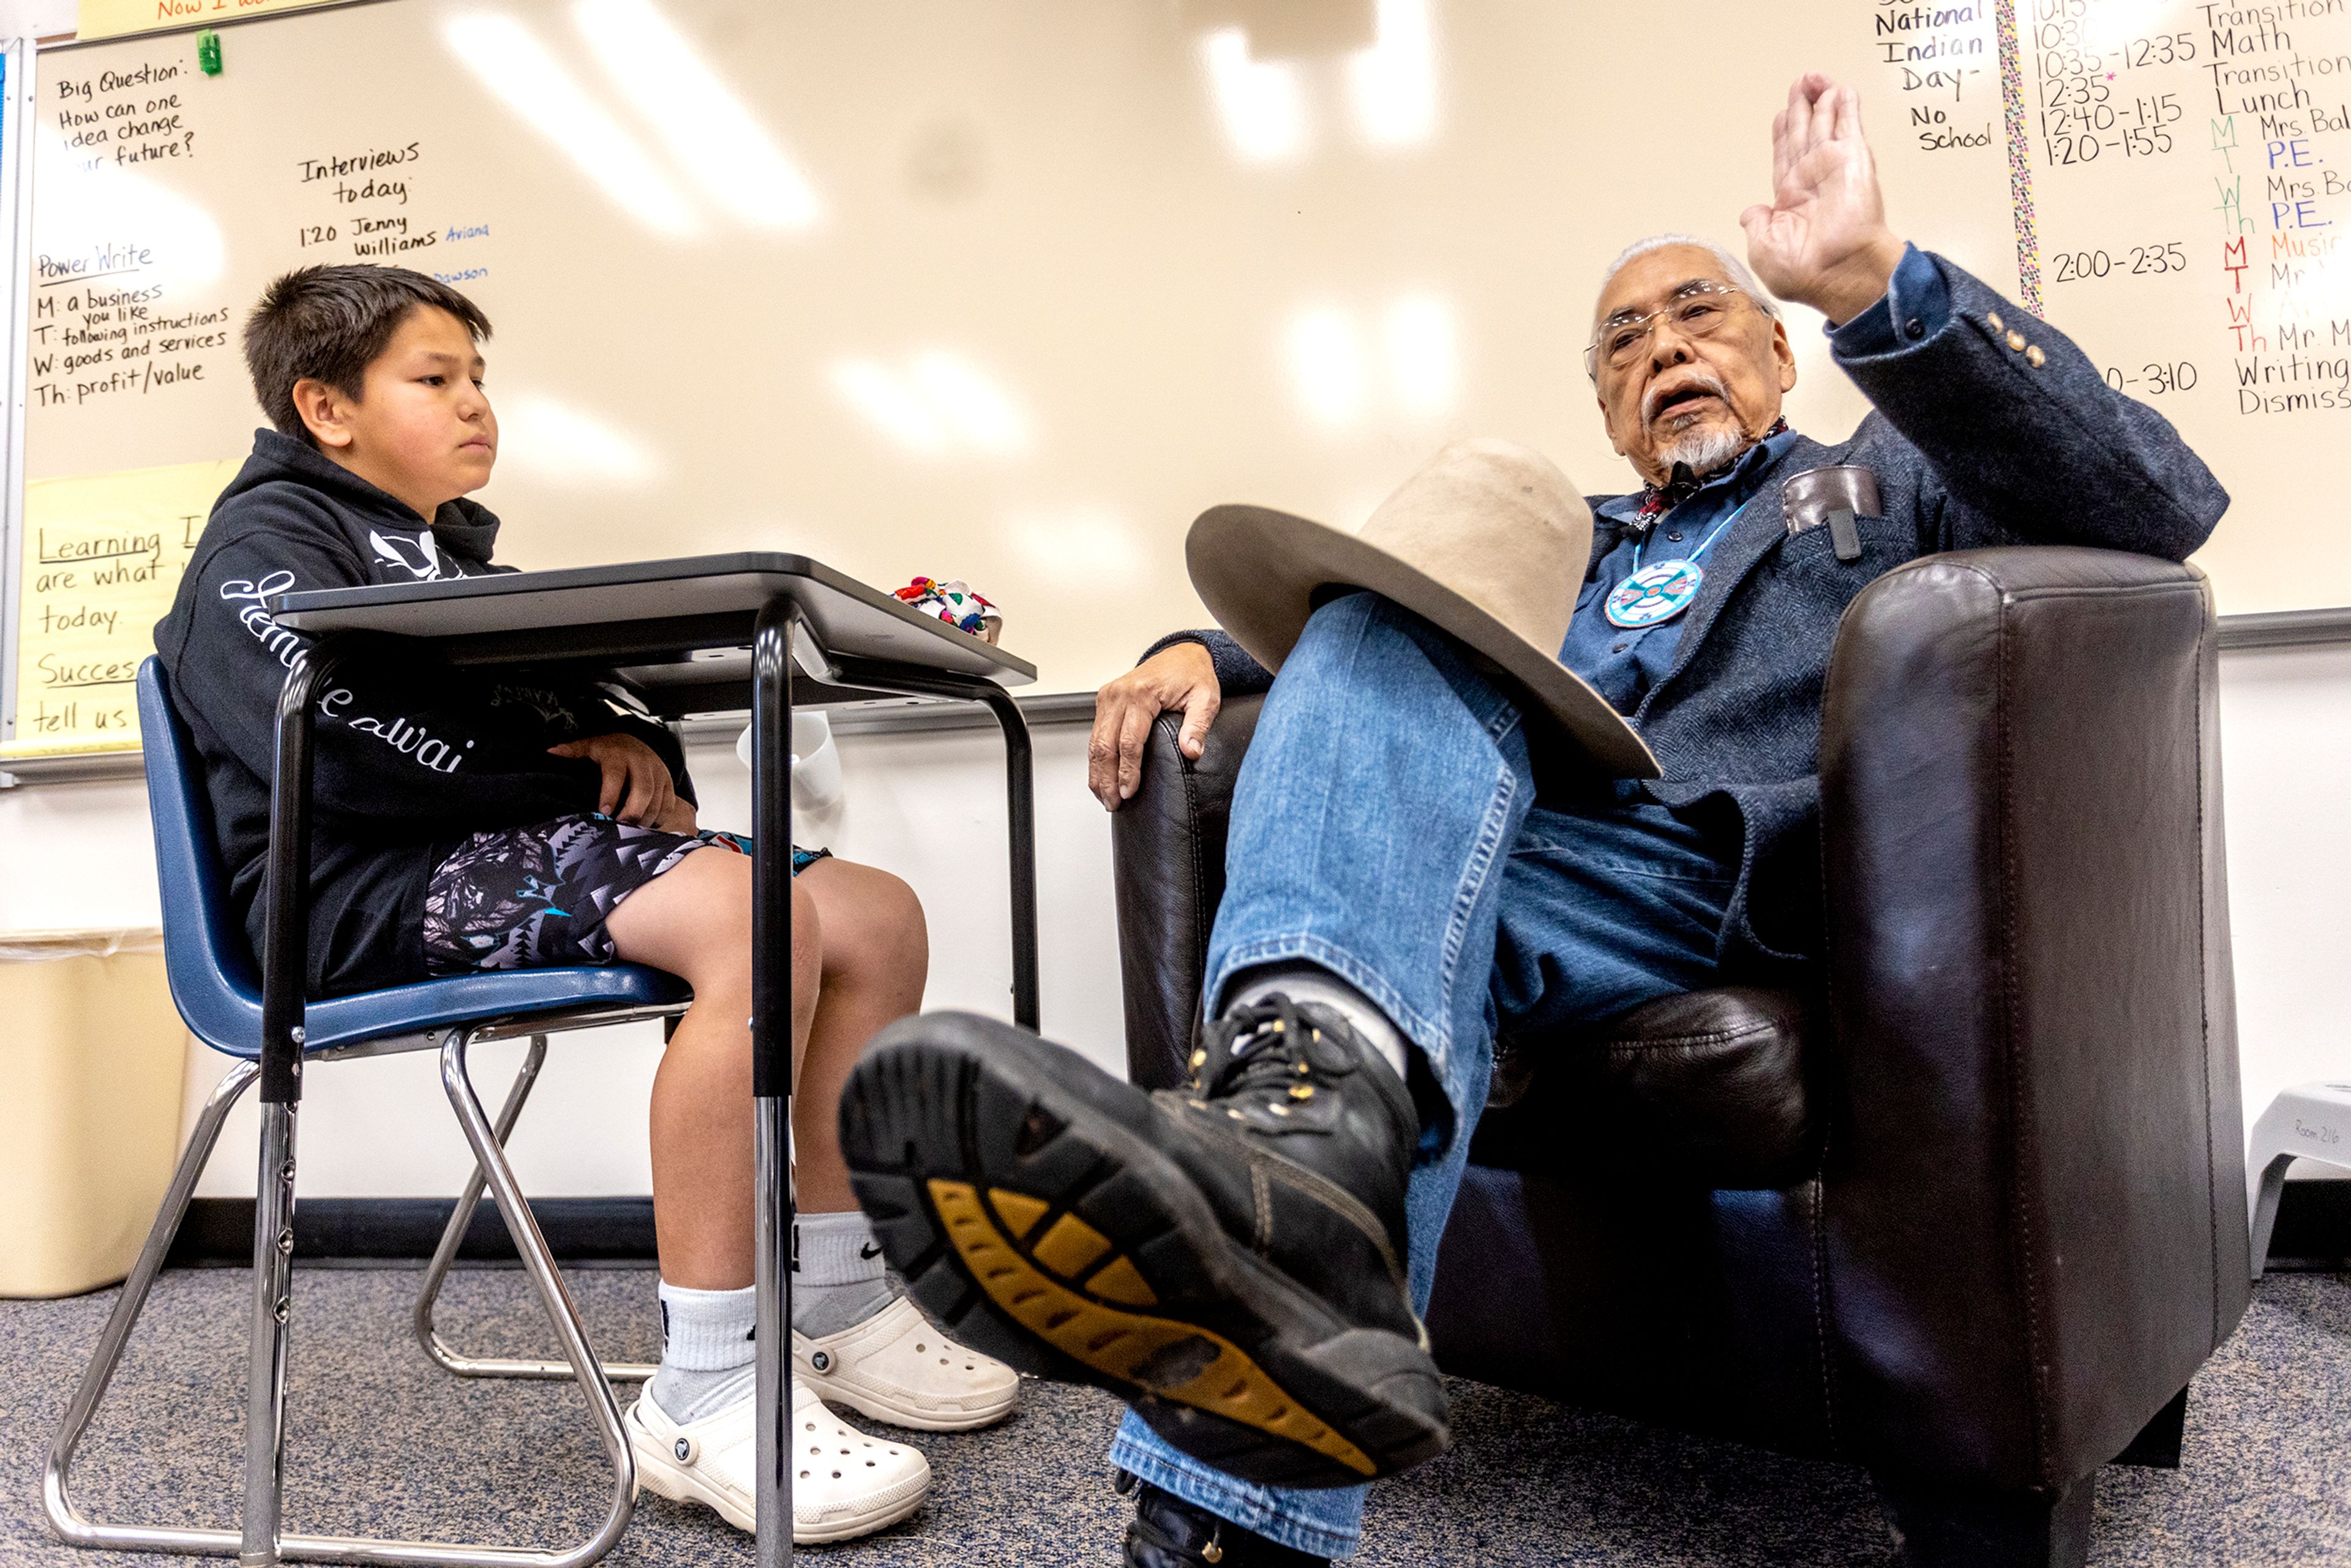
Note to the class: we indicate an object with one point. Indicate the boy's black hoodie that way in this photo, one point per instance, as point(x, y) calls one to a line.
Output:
point(409, 757)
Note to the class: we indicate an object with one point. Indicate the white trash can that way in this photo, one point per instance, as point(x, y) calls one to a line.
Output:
point(92, 1055)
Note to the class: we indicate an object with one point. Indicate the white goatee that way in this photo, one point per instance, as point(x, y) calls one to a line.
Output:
point(1703, 450)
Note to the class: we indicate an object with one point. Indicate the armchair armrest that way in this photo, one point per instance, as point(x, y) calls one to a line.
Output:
point(1167, 866)
point(2033, 1231)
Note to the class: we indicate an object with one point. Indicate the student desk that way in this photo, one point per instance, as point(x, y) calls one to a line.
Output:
point(707, 634)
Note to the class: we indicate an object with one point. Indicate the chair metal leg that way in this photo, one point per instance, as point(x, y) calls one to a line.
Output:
point(541, 1264)
point(77, 1530)
point(446, 1256)
point(56, 1495)
point(273, 1313)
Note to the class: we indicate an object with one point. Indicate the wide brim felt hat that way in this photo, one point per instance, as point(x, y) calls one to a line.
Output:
point(1489, 542)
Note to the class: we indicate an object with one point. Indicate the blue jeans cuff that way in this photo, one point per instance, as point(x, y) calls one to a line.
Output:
point(1253, 1507)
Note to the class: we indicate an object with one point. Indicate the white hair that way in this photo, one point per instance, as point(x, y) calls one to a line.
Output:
point(1733, 267)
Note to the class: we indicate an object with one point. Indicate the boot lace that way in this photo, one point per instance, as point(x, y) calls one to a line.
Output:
point(1273, 1044)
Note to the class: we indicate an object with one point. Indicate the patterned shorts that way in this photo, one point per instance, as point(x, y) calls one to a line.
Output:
point(535, 897)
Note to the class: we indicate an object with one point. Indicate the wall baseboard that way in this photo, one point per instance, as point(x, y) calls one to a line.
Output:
point(218, 1231)
point(2313, 1230)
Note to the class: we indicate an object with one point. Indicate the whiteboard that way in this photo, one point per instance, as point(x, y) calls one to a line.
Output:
point(1012, 291)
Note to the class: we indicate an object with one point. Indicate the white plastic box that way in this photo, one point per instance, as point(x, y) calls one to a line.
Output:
point(91, 1057)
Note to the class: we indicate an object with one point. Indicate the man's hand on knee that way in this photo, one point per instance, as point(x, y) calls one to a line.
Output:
point(1180, 678)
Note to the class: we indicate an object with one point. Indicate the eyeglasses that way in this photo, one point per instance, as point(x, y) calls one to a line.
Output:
point(1697, 310)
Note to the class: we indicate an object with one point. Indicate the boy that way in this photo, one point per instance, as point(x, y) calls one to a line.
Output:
point(464, 824)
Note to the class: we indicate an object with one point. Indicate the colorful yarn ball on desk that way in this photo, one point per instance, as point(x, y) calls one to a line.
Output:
point(954, 602)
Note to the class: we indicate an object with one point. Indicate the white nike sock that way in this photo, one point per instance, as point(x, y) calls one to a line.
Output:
point(1304, 982)
point(708, 1358)
point(838, 1278)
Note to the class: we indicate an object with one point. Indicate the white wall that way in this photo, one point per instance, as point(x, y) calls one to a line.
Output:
point(2285, 729)
point(38, 19)
point(931, 807)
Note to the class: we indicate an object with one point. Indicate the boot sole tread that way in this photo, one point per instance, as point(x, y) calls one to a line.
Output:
point(1146, 1295)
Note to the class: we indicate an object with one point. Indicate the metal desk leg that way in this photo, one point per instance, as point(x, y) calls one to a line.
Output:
point(771, 1071)
point(1020, 821)
point(285, 966)
point(1020, 802)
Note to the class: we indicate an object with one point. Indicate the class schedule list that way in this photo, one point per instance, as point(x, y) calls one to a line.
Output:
point(2246, 110)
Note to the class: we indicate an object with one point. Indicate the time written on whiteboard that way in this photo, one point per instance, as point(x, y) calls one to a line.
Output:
point(2153, 259)
point(2154, 378)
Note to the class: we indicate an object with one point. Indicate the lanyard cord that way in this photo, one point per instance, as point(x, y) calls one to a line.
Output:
point(1702, 548)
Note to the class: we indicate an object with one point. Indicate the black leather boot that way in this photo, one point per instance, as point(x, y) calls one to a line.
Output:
point(1229, 1259)
point(1168, 1533)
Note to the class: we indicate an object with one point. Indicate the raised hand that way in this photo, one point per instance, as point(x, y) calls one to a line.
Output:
point(1822, 241)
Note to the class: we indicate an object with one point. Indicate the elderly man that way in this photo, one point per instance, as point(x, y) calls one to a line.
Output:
point(1243, 1261)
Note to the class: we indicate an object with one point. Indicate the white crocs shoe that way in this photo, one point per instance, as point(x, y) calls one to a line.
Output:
point(895, 1367)
point(844, 1483)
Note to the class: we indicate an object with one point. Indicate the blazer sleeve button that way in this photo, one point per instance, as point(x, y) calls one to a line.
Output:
point(1992, 320)
point(2016, 340)
point(2034, 357)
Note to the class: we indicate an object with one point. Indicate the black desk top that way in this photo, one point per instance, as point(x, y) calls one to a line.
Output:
point(660, 621)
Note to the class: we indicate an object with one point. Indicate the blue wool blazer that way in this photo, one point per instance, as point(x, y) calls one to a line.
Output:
point(1993, 429)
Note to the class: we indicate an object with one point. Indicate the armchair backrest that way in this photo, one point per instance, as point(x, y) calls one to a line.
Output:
point(1167, 864)
point(2029, 985)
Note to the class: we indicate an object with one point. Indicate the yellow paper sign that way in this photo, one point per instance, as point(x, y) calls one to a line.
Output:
point(111, 18)
point(102, 557)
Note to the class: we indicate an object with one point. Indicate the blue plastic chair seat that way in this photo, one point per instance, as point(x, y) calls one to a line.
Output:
point(216, 985)
point(432, 1003)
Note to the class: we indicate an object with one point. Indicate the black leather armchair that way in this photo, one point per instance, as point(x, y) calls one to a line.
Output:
point(1969, 1210)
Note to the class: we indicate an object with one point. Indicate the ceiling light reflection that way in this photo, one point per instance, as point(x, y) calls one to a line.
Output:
point(2110, 24)
point(1260, 102)
point(1423, 353)
point(1082, 547)
point(558, 445)
point(971, 402)
point(939, 404)
point(513, 64)
point(707, 128)
point(884, 398)
point(1327, 364)
point(86, 204)
point(1393, 82)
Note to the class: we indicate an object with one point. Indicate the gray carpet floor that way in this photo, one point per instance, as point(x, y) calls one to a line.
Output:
point(381, 1443)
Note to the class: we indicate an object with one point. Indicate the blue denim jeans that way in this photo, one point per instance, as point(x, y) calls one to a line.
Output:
point(1385, 827)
